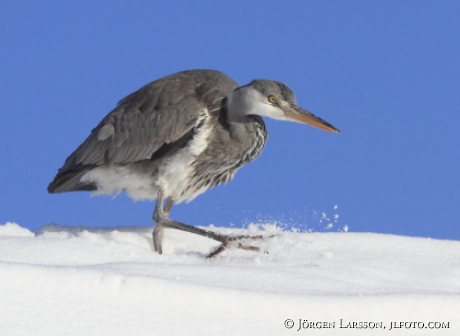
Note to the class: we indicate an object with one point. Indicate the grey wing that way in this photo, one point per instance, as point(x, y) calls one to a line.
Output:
point(159, 113)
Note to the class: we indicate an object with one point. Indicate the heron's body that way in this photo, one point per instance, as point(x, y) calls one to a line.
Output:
point(177, 137)
point(187, 171)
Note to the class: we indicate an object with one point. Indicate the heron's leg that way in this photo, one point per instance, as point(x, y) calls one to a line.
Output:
point(158, 231)
point(168, 206)
point(157, 236)
point(160, 216)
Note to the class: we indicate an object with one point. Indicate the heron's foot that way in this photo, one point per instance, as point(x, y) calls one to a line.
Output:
point(238, 242)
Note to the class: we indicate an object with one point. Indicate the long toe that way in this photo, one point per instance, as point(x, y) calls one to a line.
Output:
point(239, 242)
point(221, 248)
point(232, 244)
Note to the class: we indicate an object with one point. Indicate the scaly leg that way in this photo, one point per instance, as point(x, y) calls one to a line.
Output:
point(158, 231)
point(168, 206)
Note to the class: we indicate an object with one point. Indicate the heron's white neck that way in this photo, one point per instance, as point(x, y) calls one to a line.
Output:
point(248, 101)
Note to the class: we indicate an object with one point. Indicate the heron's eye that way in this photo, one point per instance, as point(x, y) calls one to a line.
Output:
point(272, 99)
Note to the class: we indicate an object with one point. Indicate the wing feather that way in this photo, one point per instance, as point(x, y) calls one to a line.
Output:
point(158, 114)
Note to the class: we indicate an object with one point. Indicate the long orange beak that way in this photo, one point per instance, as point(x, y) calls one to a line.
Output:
point(296, 113)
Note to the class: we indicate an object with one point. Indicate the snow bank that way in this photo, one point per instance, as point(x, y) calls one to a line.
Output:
point(84, 281)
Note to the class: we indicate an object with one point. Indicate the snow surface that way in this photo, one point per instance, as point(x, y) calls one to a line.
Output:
point(86, 281)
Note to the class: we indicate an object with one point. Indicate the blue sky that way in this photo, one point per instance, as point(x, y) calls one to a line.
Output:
point(386, 73)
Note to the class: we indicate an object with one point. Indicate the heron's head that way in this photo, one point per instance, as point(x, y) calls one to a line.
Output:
point(275, 100)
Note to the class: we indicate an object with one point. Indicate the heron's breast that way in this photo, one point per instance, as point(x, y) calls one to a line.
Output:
point(176, 174)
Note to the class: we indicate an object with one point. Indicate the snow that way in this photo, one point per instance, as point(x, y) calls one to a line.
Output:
point(91, 281)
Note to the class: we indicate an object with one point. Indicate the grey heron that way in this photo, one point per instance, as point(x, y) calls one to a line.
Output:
point(175, 138)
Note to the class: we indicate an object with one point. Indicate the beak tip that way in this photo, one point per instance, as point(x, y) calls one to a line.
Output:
point(331, 129)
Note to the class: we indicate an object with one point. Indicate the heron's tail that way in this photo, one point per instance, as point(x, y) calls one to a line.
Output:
point(69, 181)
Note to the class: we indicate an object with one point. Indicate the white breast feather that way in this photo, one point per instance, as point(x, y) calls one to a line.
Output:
point(176, 174)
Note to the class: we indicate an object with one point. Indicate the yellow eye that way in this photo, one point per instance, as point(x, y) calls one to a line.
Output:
point(272, 99)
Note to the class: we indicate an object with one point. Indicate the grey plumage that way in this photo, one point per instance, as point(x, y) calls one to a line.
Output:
point(176, 137)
